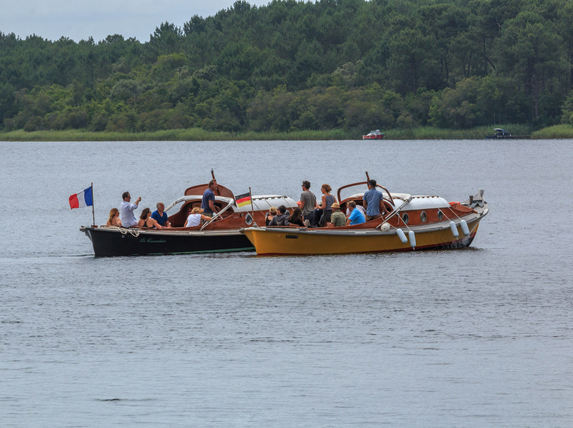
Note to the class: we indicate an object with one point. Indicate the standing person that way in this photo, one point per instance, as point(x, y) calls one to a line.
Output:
point(126, 210)
point(160, 216)
point(356, 217)
point(337, 218)
point(307, 203)
point(327, 201)
point(373, 201)
point(208, 203)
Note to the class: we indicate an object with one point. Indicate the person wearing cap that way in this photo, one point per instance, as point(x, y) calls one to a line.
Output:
point(373, 201)
point(337, 218)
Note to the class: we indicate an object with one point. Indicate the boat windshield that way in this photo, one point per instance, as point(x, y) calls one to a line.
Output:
point(357, 190)
point(354, 190)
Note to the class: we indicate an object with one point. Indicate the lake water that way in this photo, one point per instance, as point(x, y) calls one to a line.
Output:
point(480, 337)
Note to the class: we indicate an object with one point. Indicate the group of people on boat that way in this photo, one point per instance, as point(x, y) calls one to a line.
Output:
point(124, 216)
point(308, 213)
point(327, 213)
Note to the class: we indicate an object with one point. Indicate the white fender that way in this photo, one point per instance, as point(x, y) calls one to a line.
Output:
point(412, 237)
point(454, 229)
point(385, 227)
point(465, 227)
point(401, 235)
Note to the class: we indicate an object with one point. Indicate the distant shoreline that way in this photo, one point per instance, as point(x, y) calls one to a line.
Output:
point(197, 134)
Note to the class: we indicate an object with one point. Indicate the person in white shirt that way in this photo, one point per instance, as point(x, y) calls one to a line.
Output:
point(126, 210)
point(195, 217)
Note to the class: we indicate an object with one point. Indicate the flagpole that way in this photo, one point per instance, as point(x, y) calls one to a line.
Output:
point(252, 208)
point(93, 206)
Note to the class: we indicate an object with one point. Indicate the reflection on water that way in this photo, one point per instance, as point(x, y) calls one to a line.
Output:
point(476, 337)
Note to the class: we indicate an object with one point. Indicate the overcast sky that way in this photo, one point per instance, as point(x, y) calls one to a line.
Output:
point(80, 19)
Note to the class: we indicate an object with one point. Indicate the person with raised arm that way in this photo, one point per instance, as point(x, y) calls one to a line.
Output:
point(126, 210)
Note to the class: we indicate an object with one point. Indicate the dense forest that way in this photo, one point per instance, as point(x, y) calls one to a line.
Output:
point(350, 64)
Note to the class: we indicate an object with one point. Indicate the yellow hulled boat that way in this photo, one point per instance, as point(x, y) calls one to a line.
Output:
point(412, 223)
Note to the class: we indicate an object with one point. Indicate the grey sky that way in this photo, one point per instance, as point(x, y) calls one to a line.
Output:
point(80, 19)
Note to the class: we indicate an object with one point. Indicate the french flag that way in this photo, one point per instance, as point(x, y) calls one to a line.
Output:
point(82, 199)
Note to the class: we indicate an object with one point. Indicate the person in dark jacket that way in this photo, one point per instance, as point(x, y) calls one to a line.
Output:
point(270, 215)
point(282, 218)
point(296, 217)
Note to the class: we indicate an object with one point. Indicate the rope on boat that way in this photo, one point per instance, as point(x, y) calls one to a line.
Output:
point(132, 232)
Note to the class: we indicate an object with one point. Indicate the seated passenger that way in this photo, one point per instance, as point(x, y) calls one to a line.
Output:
point(145, 220)
point(282, 218)
point(296, 217)
point(358, 207)
point(160, 216)
point(337, 218)
point(113, 219)
point(195, 217)
point(270, 215)
point(356, 216)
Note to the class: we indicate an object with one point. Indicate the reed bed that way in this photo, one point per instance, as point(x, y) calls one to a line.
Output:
point(197, 134)
point(554, 132)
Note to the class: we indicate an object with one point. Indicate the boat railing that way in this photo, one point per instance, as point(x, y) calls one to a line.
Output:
point(389, 199)
point(217, 215)
point(396, 211)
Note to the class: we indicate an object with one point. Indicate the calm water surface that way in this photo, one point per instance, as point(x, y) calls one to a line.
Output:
point(465, 338)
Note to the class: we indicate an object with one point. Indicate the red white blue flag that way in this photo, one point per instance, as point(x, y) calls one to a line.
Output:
point(82, 199)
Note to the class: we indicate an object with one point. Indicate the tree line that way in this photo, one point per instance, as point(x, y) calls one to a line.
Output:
point(290, 65)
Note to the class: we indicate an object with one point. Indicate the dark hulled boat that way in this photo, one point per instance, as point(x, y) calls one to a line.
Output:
point(220, 235)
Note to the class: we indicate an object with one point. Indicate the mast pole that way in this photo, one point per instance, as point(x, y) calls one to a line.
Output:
point(252, 207)
point(93, 206)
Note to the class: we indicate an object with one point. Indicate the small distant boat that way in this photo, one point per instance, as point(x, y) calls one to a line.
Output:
point(503, 134)
point(373, 135)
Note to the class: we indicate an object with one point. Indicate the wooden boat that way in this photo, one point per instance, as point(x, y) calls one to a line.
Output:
point(411, 223)
point(220, 235)
point(373, 135)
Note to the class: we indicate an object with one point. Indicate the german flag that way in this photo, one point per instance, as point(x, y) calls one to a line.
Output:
point(244, 199)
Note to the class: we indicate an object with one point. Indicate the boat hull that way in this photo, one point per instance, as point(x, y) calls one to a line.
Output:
point(110, 242)
point(308, 242)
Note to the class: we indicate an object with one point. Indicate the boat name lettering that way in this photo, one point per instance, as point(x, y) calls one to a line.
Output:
point(152, 241)
point(292, 237)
